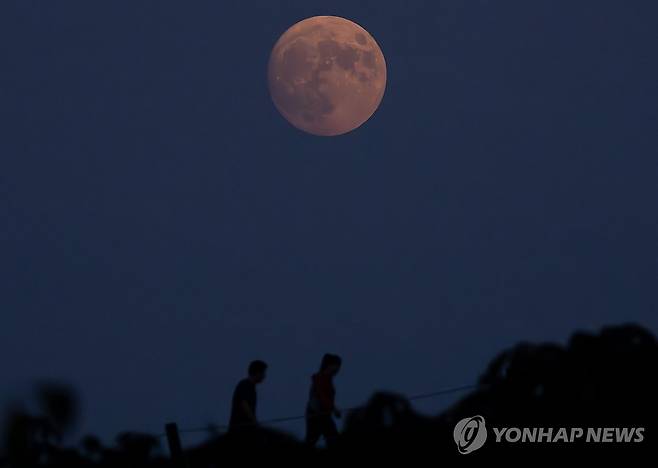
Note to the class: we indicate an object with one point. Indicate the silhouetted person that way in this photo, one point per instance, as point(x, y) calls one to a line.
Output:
point(243, 408)
point(321, 405)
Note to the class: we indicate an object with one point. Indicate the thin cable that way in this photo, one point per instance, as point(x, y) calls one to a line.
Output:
point(421, 396)
point(424, 396)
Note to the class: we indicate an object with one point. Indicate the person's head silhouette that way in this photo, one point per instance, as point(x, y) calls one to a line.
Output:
point(257, 371)
point(330, 364)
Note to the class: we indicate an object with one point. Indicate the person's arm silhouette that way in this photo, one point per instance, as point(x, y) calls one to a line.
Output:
point(249, 414)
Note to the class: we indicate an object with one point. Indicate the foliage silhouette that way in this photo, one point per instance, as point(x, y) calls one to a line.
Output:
point(596, 380)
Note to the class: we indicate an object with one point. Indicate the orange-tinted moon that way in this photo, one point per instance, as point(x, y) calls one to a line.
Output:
point(326, 75)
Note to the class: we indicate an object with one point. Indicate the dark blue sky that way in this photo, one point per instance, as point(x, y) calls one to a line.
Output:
point(161, 224)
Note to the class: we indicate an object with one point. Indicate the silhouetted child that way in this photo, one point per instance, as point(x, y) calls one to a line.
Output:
point(243, 408)
point(321, 405)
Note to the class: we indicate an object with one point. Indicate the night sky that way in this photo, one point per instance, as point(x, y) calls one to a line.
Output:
point(162, 224)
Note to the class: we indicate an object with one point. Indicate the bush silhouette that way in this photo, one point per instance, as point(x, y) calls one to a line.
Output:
point(595, 380)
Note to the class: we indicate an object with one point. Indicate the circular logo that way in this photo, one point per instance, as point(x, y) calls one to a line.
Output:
point(470, 434)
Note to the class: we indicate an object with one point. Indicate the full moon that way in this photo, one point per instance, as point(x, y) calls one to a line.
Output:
point(326, 75)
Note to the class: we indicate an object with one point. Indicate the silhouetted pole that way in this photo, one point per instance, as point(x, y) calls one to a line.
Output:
point(175, 448)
